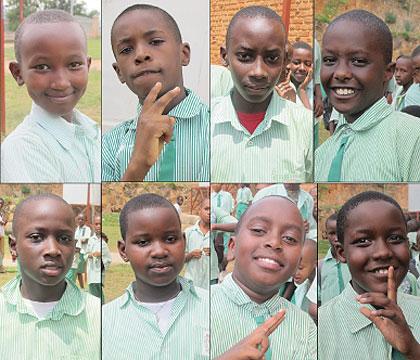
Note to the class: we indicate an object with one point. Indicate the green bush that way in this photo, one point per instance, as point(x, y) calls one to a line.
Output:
point(390, 18)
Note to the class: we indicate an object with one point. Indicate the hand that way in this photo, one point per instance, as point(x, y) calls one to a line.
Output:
point(255, 345)
point(196, 254)
point(96, 254)
point(306, 225)
point(153, 130)
point(206, 251)
point(308, 78)
point(318, 105)
point(285, 90)
point(390, 320)
point(331, 127)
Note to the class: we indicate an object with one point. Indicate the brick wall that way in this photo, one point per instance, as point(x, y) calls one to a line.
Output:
point(221, 11)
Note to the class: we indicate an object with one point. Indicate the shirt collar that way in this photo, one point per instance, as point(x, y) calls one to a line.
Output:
point(238, 296)
point(188, 108)
point(196, 227)
point(63, 131)
point(370, 118)
point(275, 111)
point(357, 321)
point(71, 303)
point(187, 289)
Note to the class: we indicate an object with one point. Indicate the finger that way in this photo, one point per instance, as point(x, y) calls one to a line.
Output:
point(377, 320)
point(288, 76)
point(384, 313)
point(152, 96)
point(164, 100)
point(263, 345)
point(168, 134)
point(272, 323)
point(375, 299)
point(391, 287)
point(278, 90)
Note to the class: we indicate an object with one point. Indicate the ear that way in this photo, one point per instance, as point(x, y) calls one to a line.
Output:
point(118, 71)
point(122, 250)
point(185, 54)
point(231, 249)
point(89, 62)
point(14, 68)
point(389, 71)
point(223, 56)
point(12, 245)
point(339, 250)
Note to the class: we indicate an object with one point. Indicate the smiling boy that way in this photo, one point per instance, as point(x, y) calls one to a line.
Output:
point(161, 315)
point(266, 248)
point(369, 143)
point(44, 316)
point(369, 319)
point(168, 140)
point(55, 142)
point(256, 135)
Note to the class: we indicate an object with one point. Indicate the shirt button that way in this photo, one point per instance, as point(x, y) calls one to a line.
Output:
point(250, 143)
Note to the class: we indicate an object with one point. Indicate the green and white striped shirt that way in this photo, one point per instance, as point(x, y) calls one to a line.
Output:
point(130, 330)
point(383, 145)
point(72, 330)
point(46, 148)
point(280, 149)
point(190, 137)
point(345, 333)
point(244, 195)
point(234, 316)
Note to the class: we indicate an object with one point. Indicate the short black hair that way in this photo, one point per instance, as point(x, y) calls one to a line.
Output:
point(332, 217)
point(301, 45)
point(140, 202)
point(33, 198)
point(239, 224)
point(354, 202)
point(253, 12)
point(413, 110)
point(406, 57)
point(416, 51)
point(51, 16)
point(169, 19)
point(374, 24)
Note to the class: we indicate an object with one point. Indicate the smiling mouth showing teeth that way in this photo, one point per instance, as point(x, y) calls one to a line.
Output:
point(268, 261)
point(344, 91)
point(381, 271)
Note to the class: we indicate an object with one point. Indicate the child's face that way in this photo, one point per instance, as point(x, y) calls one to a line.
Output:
point(375, 238)
point(147, 51)
point(416, 65)
point(154, 245)
point(300, 64)
point(404, 71)
point(268, 245)
point(307, 263)
point(45, 241)
point(331, 229)
point(353, 71)
point(205, 212)
point(54, 66)
point(97, 224)
point(81, 220)
point(255, 55)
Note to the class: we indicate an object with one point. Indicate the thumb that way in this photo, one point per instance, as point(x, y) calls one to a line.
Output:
point(168, 135)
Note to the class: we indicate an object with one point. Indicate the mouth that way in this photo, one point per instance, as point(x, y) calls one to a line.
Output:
point(145, 73)
point(52, 269)
point(257, 88)
point(268, 263)
point(344, 92)
point(60, 98)
point(160, 268)
point(381, 272)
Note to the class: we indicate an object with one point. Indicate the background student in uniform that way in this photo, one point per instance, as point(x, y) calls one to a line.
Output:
point(44, 316)
point(266, 248)
point(169, 138)
point(55, 142)
point(171, 314)
point(369, 319)
point(82, 235)
point(404, 69)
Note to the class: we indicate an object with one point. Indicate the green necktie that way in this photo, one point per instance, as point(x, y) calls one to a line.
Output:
point(260, 320)
point(335, 170)
point(167, 166)
point(396, 355)
point(219, 199)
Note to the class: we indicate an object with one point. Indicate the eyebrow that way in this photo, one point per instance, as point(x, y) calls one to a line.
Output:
point(126, 39)
point(269, 221)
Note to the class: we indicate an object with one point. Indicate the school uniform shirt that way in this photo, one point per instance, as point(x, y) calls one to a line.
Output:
point(244, 196)
point(82, 233)
point(222, 199)
point(47, 148)
point(305, 205)
point(398, 98)
point(334, 277)
point(382, 145)
point(93, 264)
point(299, 297)
point(412, 97)
point(131, 331)
point(186, 157)
point(280, 148)
point(345, 333)
point(72, 330)
point(198, 270)
point(234, 316)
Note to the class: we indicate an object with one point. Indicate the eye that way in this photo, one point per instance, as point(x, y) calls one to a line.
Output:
point(362, 242)
point(142, 242)
point(126, 50)
point(65, 238)
point(359, 61)
point(273, 58)
point(289, 239)
point(171, 239)
point(36, 237)
point(328, 60)
point(244, 57)
point(156, 42)
point(42, 67)
point(75, 65)
point(397, 239)
point(258, 231)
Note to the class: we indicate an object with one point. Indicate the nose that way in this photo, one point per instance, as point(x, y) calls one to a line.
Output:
point(259, 70)
point(273, 242)
point(142, 54)
point(342, 71)
point(51, 247)
point(382, 250)
point(158, 249)
point(302, 67)
point(60, 80)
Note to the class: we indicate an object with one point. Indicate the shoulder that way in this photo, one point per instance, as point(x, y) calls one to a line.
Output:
point(118, 132)
point(113, 307)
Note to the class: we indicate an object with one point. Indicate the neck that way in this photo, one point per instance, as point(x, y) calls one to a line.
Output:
point(406, 86)
point(204, 227)
point(41, 293)
point(256, 297)
point(241, 105)
point(149, 293)
point(351, 118)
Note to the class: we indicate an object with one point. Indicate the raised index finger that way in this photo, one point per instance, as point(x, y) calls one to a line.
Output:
point(164, 100)
point(152, 96)
point(391, 287)
point(272, 323)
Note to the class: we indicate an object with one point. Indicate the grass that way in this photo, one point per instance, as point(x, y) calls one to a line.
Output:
point(110, 226)
point(11, 273)
point(323, 133)
point(323, 246)
point(117, 278)
point(18, 102)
